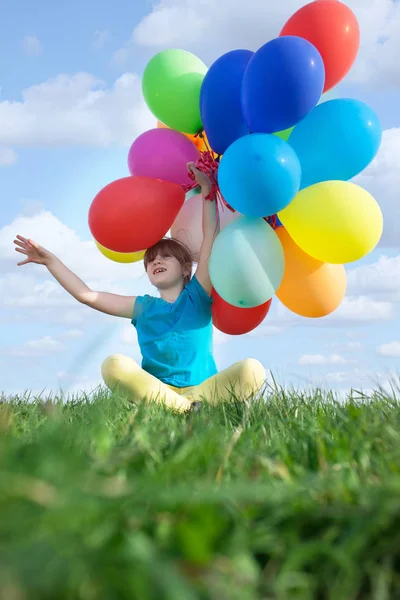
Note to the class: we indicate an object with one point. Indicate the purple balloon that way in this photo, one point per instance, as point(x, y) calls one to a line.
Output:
point(162, 154)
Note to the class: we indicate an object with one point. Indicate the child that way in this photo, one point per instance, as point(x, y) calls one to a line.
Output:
point(174, 331)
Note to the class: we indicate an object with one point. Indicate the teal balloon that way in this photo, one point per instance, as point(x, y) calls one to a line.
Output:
point(259, 175)
point(336, 141)
point(194, 192)
point(247, 262)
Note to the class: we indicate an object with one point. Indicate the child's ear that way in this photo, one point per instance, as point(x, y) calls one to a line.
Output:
point(187, 270)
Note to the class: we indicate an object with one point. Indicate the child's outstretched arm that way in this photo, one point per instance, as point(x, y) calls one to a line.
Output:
point(210, 228)
point(111, 304)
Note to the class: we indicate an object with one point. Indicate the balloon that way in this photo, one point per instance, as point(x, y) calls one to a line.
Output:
point(193, 192)
point(199, 140)
point(246, 263)
point(282, 84)
point(121, 257)
point(220, 100)
point(337, 140)
point(334, 221)
point(236, 321)
point(285, 134)
point(133, 213)
point(310, 288)
point(259, 175)
point(162, 154)
point(188, 226)
point(333, 29)
point(171, 87)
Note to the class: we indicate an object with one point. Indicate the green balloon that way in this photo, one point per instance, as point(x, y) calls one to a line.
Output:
point(171, 87)
point(247, 262)
point(284, 134)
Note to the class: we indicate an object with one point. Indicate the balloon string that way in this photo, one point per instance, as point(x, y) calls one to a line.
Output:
point(271, 221)
point(209, 165)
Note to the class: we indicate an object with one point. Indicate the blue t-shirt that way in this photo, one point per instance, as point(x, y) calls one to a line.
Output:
point(175, 339)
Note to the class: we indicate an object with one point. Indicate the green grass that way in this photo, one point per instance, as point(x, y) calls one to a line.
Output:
point(297, 497)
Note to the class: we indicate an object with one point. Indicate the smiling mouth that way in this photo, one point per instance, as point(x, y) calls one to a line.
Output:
point(160, 270)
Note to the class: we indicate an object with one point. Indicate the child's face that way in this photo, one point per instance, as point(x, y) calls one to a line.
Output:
point(165, 271)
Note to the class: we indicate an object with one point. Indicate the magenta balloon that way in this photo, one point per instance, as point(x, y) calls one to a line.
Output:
point(162, 154)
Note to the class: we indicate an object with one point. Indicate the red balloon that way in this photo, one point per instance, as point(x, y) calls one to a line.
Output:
point(134, 213)
point(236, 321)
point(333, 29)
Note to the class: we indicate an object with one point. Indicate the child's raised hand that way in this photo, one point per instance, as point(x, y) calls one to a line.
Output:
point(33, 252)
point(201, 178)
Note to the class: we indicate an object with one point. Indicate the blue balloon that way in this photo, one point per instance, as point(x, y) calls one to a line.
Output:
point(259, 175)
point(336, 141)
point(282, 84)
point(220, 100)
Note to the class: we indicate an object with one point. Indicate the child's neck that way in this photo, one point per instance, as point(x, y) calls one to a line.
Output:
point(172, 294)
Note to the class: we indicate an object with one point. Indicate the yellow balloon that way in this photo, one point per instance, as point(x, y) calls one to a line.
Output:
point(335, 221)
point(121, 257)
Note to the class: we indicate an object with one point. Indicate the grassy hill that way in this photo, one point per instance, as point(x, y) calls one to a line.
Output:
point(294, 497)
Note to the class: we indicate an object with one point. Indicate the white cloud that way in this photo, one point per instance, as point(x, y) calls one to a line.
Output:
point(361, 309)
point(380, 42)
point(381, 279)
point(32, 288)
point(32, 46)
point(226, 26)
point(265, 330)
point(8, 157)
point(354, 346)
point(347, 347)
point(73, 334)
point(76, 110)
point(382, 180)
point(389, 350)
point(35, 348)
point(100, 39)
point(65, 243)
point(320, 359)
point(358, 310)
point(337, 377)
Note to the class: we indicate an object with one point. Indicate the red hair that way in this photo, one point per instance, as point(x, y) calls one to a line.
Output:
point(171, 247)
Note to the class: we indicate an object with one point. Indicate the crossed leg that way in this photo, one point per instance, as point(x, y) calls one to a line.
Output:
point(123, 371)
point(241, 380)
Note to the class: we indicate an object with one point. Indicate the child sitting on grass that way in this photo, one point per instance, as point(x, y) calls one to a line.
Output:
point(174, 331)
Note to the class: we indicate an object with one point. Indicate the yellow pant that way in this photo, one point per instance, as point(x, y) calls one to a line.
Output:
point(243, 379)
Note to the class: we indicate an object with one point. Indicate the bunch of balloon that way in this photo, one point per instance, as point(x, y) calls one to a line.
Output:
point(288, 156)
point(133, 213)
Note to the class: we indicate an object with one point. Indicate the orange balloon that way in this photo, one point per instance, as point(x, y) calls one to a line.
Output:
point(310, 288)
point(201, 143)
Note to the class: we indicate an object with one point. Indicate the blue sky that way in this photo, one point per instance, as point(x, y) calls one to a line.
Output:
point(70, 106)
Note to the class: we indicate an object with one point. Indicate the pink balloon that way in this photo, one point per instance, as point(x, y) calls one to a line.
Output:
point(162, 154)
point(188, 227)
